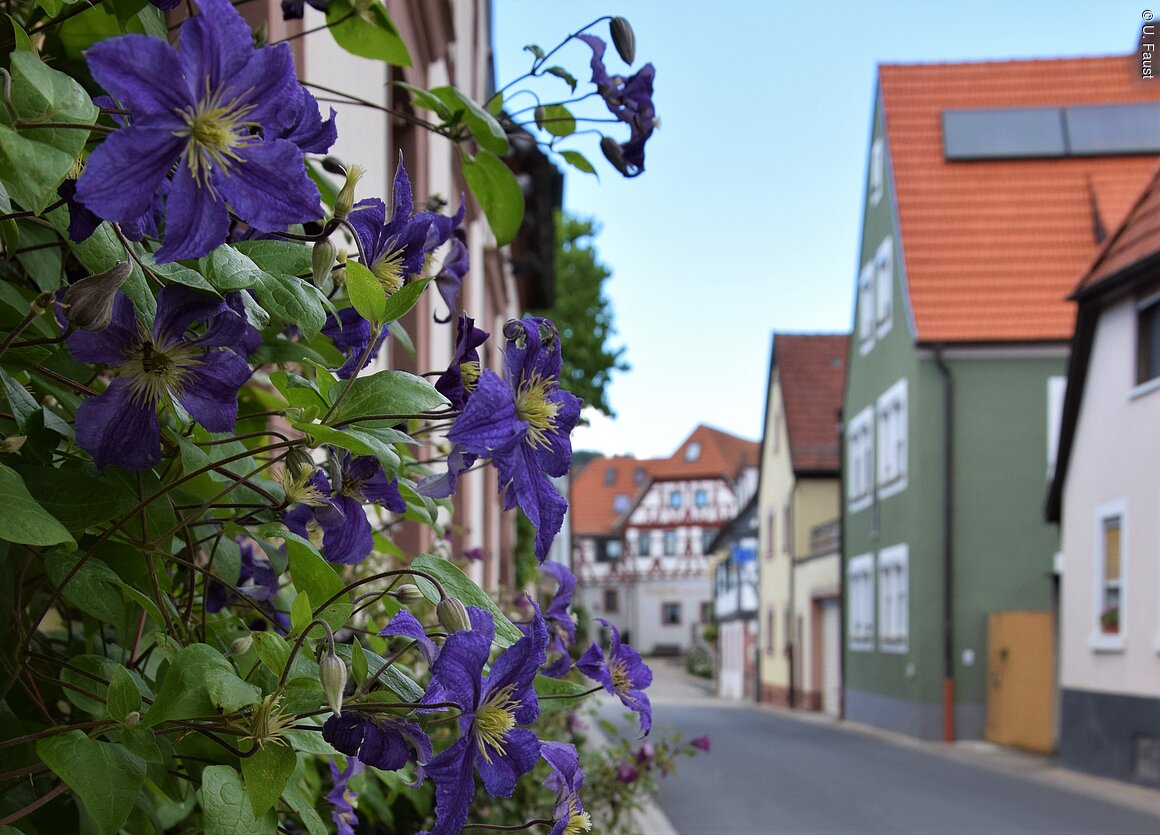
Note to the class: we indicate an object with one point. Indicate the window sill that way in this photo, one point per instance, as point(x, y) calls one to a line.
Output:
point(895, 647)
point(1144, 388)
point(860, 646)
point(861, 503)
point(1100, 642)
point(892, 488)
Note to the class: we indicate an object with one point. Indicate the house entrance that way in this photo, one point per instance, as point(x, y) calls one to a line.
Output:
point(1020, 679)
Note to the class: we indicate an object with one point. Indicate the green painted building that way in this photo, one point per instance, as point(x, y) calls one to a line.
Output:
point(983, 206)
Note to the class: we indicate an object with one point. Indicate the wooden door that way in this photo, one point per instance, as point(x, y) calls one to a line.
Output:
point(1021, 679)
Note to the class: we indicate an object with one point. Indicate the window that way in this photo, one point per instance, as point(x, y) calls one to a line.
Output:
point(860, 597)
point(877, 172)
point(884, 287)
point(693, 451)
point(670, 543)
point(777, 431)
point(638, 475)
point(707, 537)
point(770, 625)
point(1148, 339)
point(620, 502)
point(1056, 388)
point(608, 550)
point(612, 600)
point(866, 308)
point(892, 440)
point(643, 542)
point(671, 614)
point(860, 459)
point(786, 529)
point(610, 475)
point(1111, 580)
point(706, 612)
point(675, 499)
point(770, 529)
point(701, 498)
point(893, 599)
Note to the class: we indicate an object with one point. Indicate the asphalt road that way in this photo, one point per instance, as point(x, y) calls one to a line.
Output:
point(769, 773)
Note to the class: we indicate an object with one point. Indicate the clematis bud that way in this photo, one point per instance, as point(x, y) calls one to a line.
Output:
point(408, 593)
point(333, 676)
point(132, 718)
point(88, 304)
point(297, 462)
point(345, 200)
point(241, 646)
point(453, 615)
point(623, 39)
point(614, 154)
point(321, 260)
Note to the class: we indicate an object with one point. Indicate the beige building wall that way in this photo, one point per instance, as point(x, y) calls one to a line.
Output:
point(775, 495)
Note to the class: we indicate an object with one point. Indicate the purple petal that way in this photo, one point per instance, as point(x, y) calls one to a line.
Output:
point(454, 786)
point(404, 205)
point(444, 485)
point(592, 664)
point(111, 345)
point(489, 422)
point(179, 307)
point(521, 751)
point(406, 625)
point(367, 219)
point(268, 187)
point(309, 132)
point(123, 173)
point(116, 429)
point(459, 668)
point(210, 391)
point(196, 220)
point(142, 72)
point(520, 478)
point(556, 458)
point(346, 533)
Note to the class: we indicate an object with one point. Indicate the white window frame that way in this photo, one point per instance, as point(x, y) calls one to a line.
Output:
point(893, 443)
point(860, 603)
point(1056, 389)
point(1097, 640)
point(884, 287)
point(894, 599)
point(860, 460)
point(866, 310)
point(877, 171)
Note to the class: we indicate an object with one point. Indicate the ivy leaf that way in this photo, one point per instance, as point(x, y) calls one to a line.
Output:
point(562, 73)
point(227, 806)
point(199, 682)
point(367, 32)
point(365, 292)
point(266, 772)
point(458, 584)
point(24, 521)
point(390, 393)
point(488, 132)
point(498, 193)
point(105, 776)
point(124, 697)
point(578, 161)
point(34, 161)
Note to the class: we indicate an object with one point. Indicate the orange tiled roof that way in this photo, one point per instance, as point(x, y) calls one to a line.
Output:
point(812, 373)
point(1136, 239)
point(992, 247)
point(594, 491)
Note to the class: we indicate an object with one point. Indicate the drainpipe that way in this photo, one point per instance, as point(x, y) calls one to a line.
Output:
point(948, 547)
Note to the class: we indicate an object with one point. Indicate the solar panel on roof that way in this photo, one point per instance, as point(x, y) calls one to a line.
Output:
point(1114, 129)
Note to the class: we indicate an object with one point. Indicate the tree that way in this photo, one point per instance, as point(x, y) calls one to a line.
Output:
point(583, 314)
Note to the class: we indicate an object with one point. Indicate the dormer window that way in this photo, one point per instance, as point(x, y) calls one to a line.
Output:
point(638, 475)
point(610, 476)
point(620, 502)
point(877, 172)
point(693, 451)
point(884, 286)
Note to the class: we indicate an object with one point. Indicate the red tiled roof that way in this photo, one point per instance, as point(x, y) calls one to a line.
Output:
point(992, 247)
point(1136, 239)
point(594, 491)
point(812, 373)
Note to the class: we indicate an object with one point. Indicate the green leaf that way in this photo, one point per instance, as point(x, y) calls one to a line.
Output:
point(87, 688)
point(299, 801)
point(228, 269)
point(24, 521)
point(368, 33)
point(494, 105)
point(140, 741)
point(390, 393)
point(535, 50)
point(292, 300)
point(488, 132)
point(422, 98)
point(34, 161)
point(93, 588)
point(558, 120)
point(227, 806)
point(315, 576)
point(365, 292)
point(498, 193)
point(358, 663)
point(546, 686)
point(102, 250)
point(105, 776)
point(21, 403)
point(458, 584)
point(398, 682)
point(401, 302)
point(77, 495)
point(124, 697)
point(578, 161)
point(199, 682)
point(298, 391)
point(177, 274)
point(562, 73)
point(357, 439)
point(277, 257)
point(266, 773)
point(301, 613)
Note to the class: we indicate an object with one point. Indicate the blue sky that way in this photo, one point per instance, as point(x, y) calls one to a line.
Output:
point(747, 219)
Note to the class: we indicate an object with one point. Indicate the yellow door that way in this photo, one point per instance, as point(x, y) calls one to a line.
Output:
point(1021, 679)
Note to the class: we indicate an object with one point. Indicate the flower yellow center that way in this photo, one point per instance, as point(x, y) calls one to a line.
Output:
point(469, 371)
point(215, 131)
point(494, 718)
point(578, 822)
point(299, 490)
point(534, 408)
point(157, 371)
point(388, 269)
point(620, 682)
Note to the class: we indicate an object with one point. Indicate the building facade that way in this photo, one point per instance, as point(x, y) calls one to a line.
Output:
point(733, 556)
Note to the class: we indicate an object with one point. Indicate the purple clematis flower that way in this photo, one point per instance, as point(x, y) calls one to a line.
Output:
point(561, 628)
point(459, 380)
point(566, 779)
point(310, 133)
point(406, 625)
point(346, 532)
point(120, 426)
point(294, 9)
point(386, 742)
point(629, 100)
point(394, 251)
point(342, 797)
point(351, 334)
point(449, 279)
point(492, 707)
point(214, 107)
point(256, 581)
point(523, 424)
point(624, 674)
